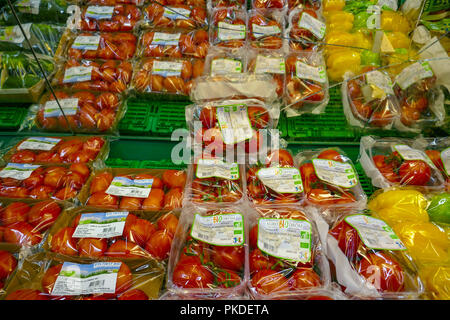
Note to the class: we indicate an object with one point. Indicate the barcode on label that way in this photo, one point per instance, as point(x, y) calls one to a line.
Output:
point(203, 236)
point(98, 283)
point(107, 230)
point(268, 247)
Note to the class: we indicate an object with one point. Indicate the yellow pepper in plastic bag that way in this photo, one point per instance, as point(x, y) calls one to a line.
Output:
point(333, 5)
point(362, 40)
point(399, 60)
point(341, 61)
point(339, 20)
point(406, 200)
point(398, 39)
point(437, 280)
point(394, 21)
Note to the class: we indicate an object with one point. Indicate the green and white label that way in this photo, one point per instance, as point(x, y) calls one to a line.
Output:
point(101, 225)
point(408, 153)
point(219, 230)
point(271, 65)
point(304, 71)
point(413, 73)
point(174, 13)
point(375, 233)
point(38, 143)
point(223, 66)
point(281, 180)
point(167, 68)
point(334, 172)
point(14, 33)
point(29, 6)
point(86, 42)
point(166, 39)
point(445, 156)
point(99, 12)
point(234, 123)
point(69, 106)
point(312, 24)
point(380, 80)
point(125, 187)
point(285, 238)
point(264, 31)
point(18, 171)
point(77, 74)
point(209, 168)
point(229, 31)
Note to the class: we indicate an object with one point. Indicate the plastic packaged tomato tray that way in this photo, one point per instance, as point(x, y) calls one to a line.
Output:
point(266, 28)
point(9, 259)
point(438, 150)
point(135, 189)
point(223, 61)
point(228, 27)
point(305, 30)
point(45, 276)
point(101, 234)
point(183, 16)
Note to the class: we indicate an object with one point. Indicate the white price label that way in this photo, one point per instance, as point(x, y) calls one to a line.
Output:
point(224, 66)
point(282, 180)
point(100, 225)
point(99, 12)
point(208, 168)
point(304, 71)
point(408, 153)
point(270, 65)
point(77, 74)
point(413, 73)
point(445, 156)
point(263, 31)
point(38, 143)
point(334, 172)
point(176, 13)
point(18, 171)
point(124, 187)
point(69, 106)
point(29, 6)
point(86, 42)
point(166, 39)
point(229, 31)
point(312, 24)
point(167, 68)
point(219, 230)
point(14, 34)
point(234, 123)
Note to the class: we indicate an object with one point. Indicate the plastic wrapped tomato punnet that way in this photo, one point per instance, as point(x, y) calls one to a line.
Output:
point(225, 61)
point(208, 254)
point(306, 84)
point(213, 4)
point(114, 2)
point(25, 223)
point(286, 259)
point(269, 4)
point(166, 76)
point(174, 44)
point(45, 150)
point(46, 276)
point(266, 28)
point(57, 181)
point(135, 189)
point(369, 260)
point(215, 181)
point(394, 162)
point(179, 16)
point(369, 100)
point(421, 99)
point(308, 4)
point(274, 181)
point(228, 28)
point(330, 179)
point(103, 234)
point(305, 31)
point(84, 111)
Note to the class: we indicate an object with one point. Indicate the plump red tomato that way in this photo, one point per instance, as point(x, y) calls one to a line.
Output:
point(154, 201)
point(91, 247)
point(63, 243)
point(259, 117)
point(14, 212)
point(303, 278)
point(267, 281)
point(414, 172)
point(348, 239)
point(168, 222)
point(100, 182)
point(331, 154)
point(159, 244)
point(8, 264)
point(22, 233)
point(23, 156)
point(130, 203)
point(125, 249)
point(43, 214)
point(174, 178)
point(173, 199)
point(229, 257)
point(253, 237)
point(259, 261)
point(208, 116)
point(49, 278)
point(81, 169)
point(139, 231)
point(103, 199)
point(189, 273)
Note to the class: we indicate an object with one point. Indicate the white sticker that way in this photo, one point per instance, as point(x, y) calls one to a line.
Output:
point(224, 66)
point(312, 24)
point(18, 171)
point(219, 230)
point(99, 12)
point(337, 173)
point(86, 42)
point(77, 74)
point(388, 3)
point(445, 156)
point(270, 65)
point(14, 34)
point(375, 233)
point(304, 71)
point(29, 6)
point(76, 279)
point(413, 73)
point(38, 143)
point(408, 153)
point(176, 13)
point(229, 31)
point(208, 168)
point(234, 123)
point(167, 68)
point(124, 187)
point(380, 80)
point(166, 39)
point(285, 238)
point(282, 180)
point(69, 106)
point(100, 225)
point(263, 31)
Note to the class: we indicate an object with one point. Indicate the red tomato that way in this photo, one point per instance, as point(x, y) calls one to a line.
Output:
point(140, 231)
point(42, 192)
point(159, 244)
point(54, 177)
point(43, 214)
point(208, 116)
point(173, 199)
point(189, 273)
point(125, 249)
point(259, 117)
point(66, 148)
point(228, 279)
point(101, 182)
point(133, 294)
point(130, 203)
point(91, 247)
point(63, 243)
point(304, 278)
point(331, 154)
point(174, 178)
point(254, 237)
point(8, 264)
point(33, 181)
point(154, 201)
point(23, 156)
point(168, 222)
point(414, 172)
point(27, 294)
point(280, 157)
point(14, 212)
point(348, 239)
point(229, 257)
point(49, 278)
point(259, 261)
point(268, 281)
point(22, 233)
point(103, 199)
point(81, 169)
point(93, 144)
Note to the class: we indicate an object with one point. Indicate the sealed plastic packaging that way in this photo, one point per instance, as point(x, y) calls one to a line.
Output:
point(369, 100)
point(45, 276)
point(44, 150)
point(174, 44)
point(308, 4)
point(239, 4)
point(103, 234)
point(330, 180)
point(85, 111)
point(175, 16)
point(266, 28)
point(60, 182)
point(275, 181)
point(306, 84)
point(135, 189)
point(269, 4)
point(25, 223)
point(269, 62)
point(394, 162)
point(166, 76)
point(118, 18)
point(209, 252)
point(9, 260)
point(306, 29)
point(114, 2)
point(286, 260)
point(87, 45)
point(228, 28)
point(98, 75)
point(438, 150)
point(225, 61)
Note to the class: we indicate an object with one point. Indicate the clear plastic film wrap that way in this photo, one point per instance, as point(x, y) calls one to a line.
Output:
point(135, 189)
point(104, 234)
point(9, 261)
point(306, 29)
point(266, 28)
point(306, 84)
point(182, 16)
point(45, 276)
point(308, 4)
point(269, 4)
point(330, 180)
point(394, 162)
point(369, 100)
point(213, 4)
point(59, 182)
point(208, 256)
point(228, 28)
point(225, 61)
point(114, 2)
point(286, 259)
point(118, 18)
